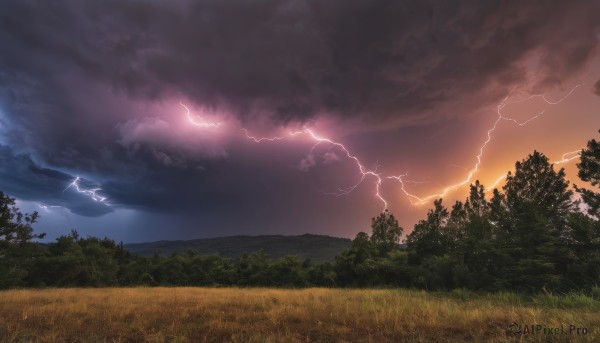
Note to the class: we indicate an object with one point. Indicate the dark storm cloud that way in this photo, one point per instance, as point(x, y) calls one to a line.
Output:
point(213, 186)
point(294, 59)
point(69, 68)
point(21, 177)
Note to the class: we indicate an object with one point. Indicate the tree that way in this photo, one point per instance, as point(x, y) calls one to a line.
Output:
point(475, 240)
point(322, 275)
point(15, 227)
point(386, 232)
point(352, 267)
point(17, 253)
point(75, 261)
point(534, 225)
point(252, 269)
point(536, 183)
point(362, 245)
point(532, 249)
point(287, 272)
point(584, 273)
point(428, 239)
point(589, 171)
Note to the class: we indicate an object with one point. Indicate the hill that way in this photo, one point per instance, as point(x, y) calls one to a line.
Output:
point(318, 248)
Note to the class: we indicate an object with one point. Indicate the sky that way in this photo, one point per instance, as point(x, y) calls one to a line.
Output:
point(146, 120)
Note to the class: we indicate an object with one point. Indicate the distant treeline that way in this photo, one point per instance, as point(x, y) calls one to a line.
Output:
point(318, 248)
point(533, 235)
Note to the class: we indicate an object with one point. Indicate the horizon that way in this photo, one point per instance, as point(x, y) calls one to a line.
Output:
point(143, 122)
point(194, 239)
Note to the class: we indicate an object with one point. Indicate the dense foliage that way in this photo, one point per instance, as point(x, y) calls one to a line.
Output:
point(529, 236)
point(318, 248)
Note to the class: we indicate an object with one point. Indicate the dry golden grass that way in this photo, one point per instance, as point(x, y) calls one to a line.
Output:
point(275, 315)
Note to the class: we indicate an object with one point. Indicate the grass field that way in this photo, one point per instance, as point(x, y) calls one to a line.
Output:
point(275, 315)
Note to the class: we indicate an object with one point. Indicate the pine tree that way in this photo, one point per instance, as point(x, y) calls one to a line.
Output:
point(475, 247)
point(589, 171)
point(428, 239)
point(533, 225)
point(536, 183)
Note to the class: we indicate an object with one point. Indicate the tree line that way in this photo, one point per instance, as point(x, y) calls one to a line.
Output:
point(534, 234)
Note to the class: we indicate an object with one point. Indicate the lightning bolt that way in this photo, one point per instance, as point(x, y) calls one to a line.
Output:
point(543, 97)
point(364, 172)
point(379, 177)
point(47, 208)
point(495, 183)
point(199, 121)
point(92, 193)
point(422, 200)
point(260, 139)
point(566, 158)
point(471, 172)
point(64, 214)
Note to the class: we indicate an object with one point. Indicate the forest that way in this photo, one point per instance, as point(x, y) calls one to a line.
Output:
point(537, 233)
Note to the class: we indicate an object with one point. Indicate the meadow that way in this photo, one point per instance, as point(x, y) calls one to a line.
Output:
point(288, 315)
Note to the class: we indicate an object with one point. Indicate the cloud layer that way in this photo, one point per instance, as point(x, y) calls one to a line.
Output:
point(93, 88)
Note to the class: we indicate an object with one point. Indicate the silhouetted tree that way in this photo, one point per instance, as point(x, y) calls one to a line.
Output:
point(17, 252)
point(536, 183)
point(15, 227)
point(527, 238)
point(427, 238)
point(386, 232)
point(589, 171)
point(585, 243)
point(476, 239)
point(534, 225)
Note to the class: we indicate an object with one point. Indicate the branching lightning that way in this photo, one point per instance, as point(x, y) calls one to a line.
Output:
point(364, 172)
point(543, 97)
point(475, 168)
point(378, 177)
point(472, 171)
point(566, 158)
point(92, 193)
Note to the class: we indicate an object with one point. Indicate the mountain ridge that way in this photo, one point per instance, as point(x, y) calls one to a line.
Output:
point(318, 248)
